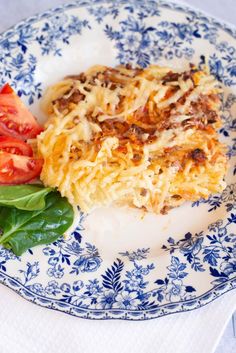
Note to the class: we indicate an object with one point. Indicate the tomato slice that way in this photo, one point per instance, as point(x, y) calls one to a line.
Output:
point(15, 169)
point(6, 89)
point(15, 146)
point(15, 119)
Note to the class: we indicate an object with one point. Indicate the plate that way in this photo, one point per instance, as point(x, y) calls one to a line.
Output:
point(119, 263)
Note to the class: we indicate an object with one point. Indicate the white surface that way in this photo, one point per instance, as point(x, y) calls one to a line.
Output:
point(27, 328)
point(228, 342)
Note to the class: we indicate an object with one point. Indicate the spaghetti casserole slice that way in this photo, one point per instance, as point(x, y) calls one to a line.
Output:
point(143, 137)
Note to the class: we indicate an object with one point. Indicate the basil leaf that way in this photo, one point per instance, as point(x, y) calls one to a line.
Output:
point(25, 229)
point(24, 197)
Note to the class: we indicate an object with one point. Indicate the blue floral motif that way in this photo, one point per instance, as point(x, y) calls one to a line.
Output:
point(60, 28)
point(56, 271)
point(229, 267)
point(3, 266)
point(223, 67)
point(100, 12)
point(20, 68)
point(106, 300)
point(136, 255)
point(220, 252)
point(52, 288)
point(130, 293)
point(227, 199)
point(134, 40)
point(60, 253)
point(127, 300)
point(138, 42)
point(31, 272)
point(132, 289)
point(93, 288)
point(37, 288)
point(227, 117)
point(8, 255)
point(172, 287)
point(113, 290)
point(87, 262)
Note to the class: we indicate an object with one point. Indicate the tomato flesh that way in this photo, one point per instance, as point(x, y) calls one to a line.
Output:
point(15, 169)
point(15, 119)
point(15, 146)
point(6, 89)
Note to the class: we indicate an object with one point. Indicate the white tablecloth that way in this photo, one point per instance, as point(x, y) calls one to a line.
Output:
point(25, 327)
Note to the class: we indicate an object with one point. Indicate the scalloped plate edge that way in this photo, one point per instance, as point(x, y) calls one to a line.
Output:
point(132, 315)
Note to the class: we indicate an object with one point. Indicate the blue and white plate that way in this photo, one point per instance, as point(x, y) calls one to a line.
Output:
point(119, 264)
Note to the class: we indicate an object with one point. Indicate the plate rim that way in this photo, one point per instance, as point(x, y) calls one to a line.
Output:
point(109, 314)
point(224, 25)
point(105, 314)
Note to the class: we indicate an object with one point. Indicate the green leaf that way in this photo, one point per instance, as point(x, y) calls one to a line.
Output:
point(24, 197)
point(25, 229)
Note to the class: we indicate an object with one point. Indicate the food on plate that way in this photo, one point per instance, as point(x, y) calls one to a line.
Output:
point(15, 118)
point(31, 215)
point(17, 124)
point(15, 169)
point(140, 137)
point(30, 197)
point(15, 146)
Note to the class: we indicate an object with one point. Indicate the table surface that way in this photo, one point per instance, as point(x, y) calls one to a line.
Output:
point(15, 10)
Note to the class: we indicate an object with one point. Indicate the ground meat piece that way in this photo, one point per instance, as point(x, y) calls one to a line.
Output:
point(189, 74)
point(176, 197)
point(112, 86)
point(143, 192)
point(171, 76)
point(212, 117)
point(215, 98)
point(174, 76)
point(128, 66)
point(63, 103)
point(137, 71)
point(203, 112)
point(137, 157)
point(76, 97)
point(81, 77)
point(165, 209)
point(198, 155)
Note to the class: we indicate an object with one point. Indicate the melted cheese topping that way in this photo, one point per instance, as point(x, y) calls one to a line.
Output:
point(142, 137)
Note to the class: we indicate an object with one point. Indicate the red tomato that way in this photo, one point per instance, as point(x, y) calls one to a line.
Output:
point(15, 119)
point(16, 169)
point(6, 89)
point(15, 146)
